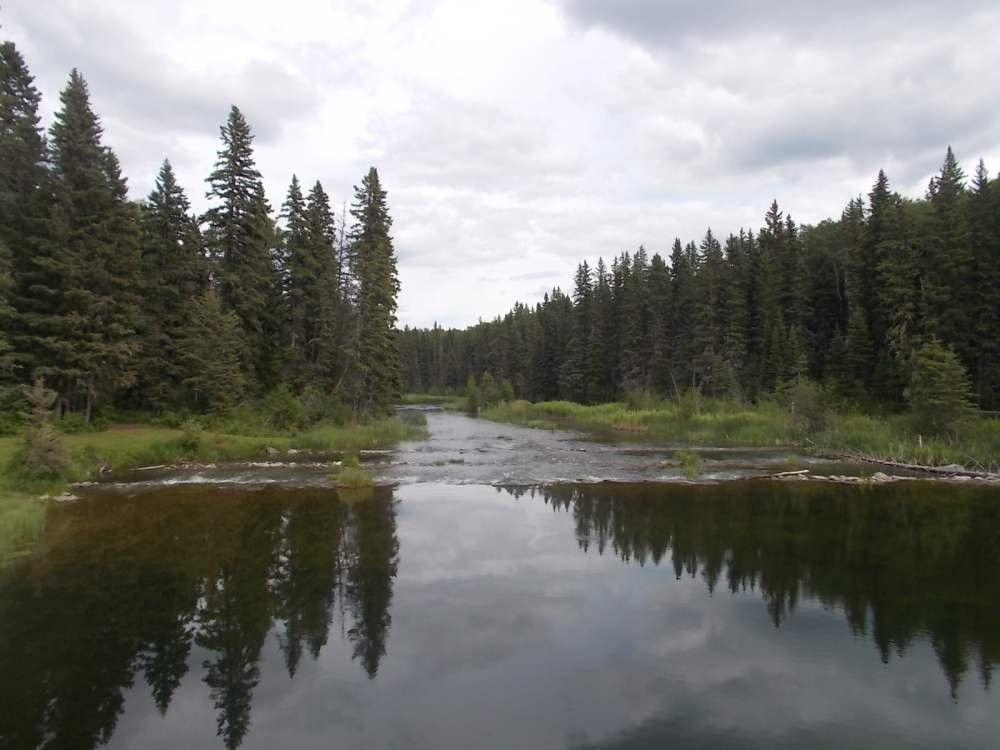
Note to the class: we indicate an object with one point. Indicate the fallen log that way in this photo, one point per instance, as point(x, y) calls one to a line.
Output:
point(952, 470)
point(781, 474)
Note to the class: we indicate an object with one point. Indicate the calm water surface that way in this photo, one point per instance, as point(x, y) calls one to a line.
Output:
point(443, 615)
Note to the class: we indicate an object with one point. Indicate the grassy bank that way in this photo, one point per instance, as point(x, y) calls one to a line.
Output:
point(724, 423)
point(22, 514)
point(450, 402)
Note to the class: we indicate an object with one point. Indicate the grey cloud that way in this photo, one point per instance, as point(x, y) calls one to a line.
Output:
point(656, 22)
point(537, 275)
point(132, 82)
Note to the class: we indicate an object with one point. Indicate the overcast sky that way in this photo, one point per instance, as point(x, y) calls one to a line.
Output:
point(516, 138)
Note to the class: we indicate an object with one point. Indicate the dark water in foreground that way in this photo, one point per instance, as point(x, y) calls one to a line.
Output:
point(746, 615)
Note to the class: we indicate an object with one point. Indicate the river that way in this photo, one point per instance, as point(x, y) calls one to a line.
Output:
point(492, 592)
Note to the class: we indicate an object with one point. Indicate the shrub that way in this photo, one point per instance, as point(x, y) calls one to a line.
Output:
point(807, 402)
point(689, 405)
point(353, 478)
point(506, 391)
point(940, 394)
point(690, 463)
point(472, 400)
point(641, 399)
point(321, 406)
point(193, 436)
point(282, 410)
point(42, 454)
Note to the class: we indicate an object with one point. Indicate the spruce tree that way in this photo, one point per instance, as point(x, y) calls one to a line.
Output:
point(947, 262)
point(984, 228)
point(212, 352)
point(378, 369)
point(32, 282)
point(95, 238)
point(240, 239)
point(897, 278)
point(575, 376)
point(709, 317)
point(174, 276)
point(322, 295)
point(940, 391)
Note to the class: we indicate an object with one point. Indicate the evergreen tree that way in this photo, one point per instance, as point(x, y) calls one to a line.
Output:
point(575, 377)
point(897, 281)
point(240, 239)
point(984, 228)
point(213, 353)
point(91, 340)
point(947, 261)
point(28, 279)
point(378, 373)
point(709, 317)
point(174, 275)
point(322, 294)
point(940, 392)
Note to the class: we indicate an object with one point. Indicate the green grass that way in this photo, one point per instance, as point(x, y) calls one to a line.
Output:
point(725, 423)
point(354, 478)
point(22, 514)
point(450, 402)
point(22, 520)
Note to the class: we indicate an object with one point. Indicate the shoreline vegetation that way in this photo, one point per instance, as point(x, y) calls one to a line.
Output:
point(718, 422)
point(725, 423)
point(131, 445)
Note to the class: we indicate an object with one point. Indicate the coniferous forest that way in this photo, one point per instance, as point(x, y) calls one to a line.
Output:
point(146, 306)
point(856, 303)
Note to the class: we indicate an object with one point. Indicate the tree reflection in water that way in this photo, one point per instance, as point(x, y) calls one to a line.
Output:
point(129, 585)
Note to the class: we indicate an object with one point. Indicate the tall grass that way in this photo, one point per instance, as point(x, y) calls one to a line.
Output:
point(728, 423)
point(22, 520)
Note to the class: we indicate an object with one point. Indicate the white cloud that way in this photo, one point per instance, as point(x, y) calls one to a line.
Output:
point(524, 136)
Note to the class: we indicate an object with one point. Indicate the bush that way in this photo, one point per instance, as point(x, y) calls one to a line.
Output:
point(641, 399)
point(506, 391)
point(689, 405)
point(194, 435)
point(807, 402)
point(349, 478)
point(690, 463)
point(320, 406)
point(940, 395)
point(282, 410)
point(42, 454)
point(75, 423)
point(472, 400)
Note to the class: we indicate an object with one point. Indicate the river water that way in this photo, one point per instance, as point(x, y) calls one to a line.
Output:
point(491, 593)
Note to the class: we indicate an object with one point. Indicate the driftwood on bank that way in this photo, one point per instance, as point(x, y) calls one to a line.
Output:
point(781, 474)
point(952, 470)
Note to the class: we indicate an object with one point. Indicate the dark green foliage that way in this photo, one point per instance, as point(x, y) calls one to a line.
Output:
point(940, 393)
point(88, 339)
point(845, 303)
point(213, 352)
point(142, 306)
point(174, 274)
point(377, 379)
point(282, 409)
point(807, 402)
point(240, 238)
point(42, 454)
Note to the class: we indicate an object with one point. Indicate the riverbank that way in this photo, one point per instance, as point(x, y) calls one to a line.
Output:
point(723, 423)
point(123, 446)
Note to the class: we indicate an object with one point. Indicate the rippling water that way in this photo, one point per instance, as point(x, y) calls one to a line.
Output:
point(451, 614)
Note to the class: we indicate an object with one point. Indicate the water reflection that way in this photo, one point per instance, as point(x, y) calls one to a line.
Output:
point(127, 587)
point(902, 562)
point(632, 616)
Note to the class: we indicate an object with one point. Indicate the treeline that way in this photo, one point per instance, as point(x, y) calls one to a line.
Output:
point(855, 303)
point(145, 305)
